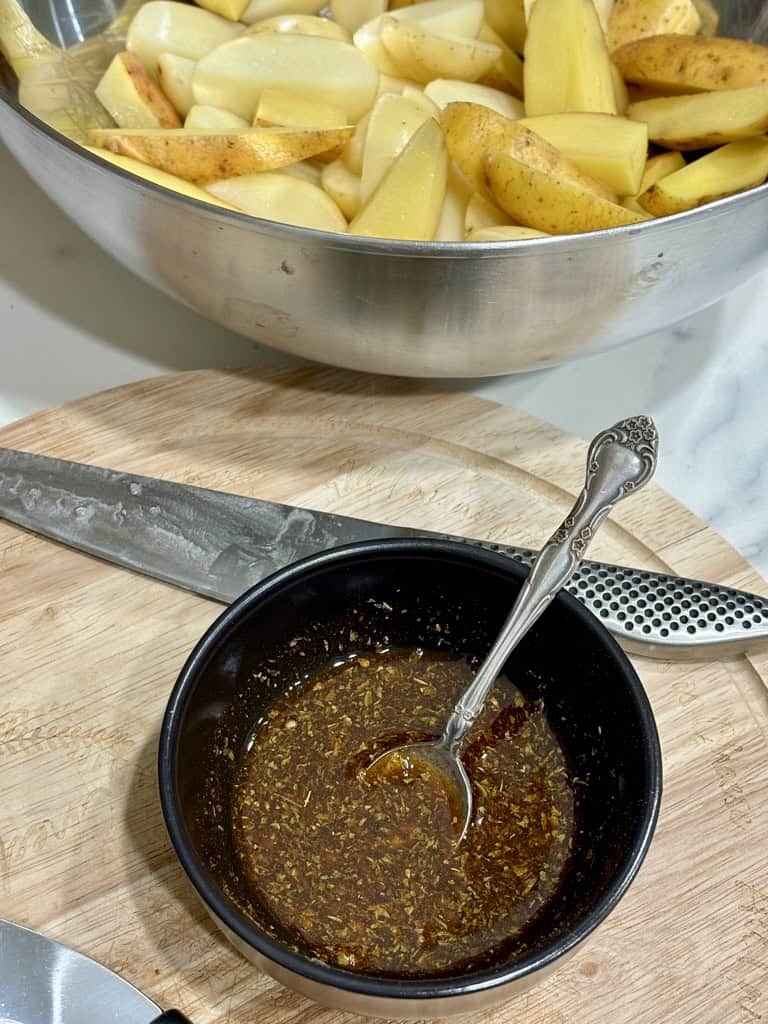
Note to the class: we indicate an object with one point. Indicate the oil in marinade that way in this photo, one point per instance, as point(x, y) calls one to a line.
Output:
point(367, 874)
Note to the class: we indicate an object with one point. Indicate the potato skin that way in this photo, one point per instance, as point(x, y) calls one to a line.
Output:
point(693, 63)
point(473, 131)
point(546, 202)
point(202, 157)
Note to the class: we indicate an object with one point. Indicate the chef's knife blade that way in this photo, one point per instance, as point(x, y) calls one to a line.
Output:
point(218, 544)
point(45, 982)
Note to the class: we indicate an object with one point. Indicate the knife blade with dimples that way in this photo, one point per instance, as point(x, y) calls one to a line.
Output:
point(219, 544)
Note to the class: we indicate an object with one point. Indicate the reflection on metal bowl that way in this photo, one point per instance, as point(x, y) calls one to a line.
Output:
point(412, 308)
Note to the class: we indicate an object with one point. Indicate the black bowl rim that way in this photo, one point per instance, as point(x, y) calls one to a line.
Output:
point(316, 970)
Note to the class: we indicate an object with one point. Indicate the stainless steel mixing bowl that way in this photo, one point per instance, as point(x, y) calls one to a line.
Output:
point(418, 309)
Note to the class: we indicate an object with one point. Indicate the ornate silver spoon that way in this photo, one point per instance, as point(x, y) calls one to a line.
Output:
point(620, 461)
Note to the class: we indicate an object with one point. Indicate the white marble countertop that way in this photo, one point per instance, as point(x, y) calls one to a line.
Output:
point(74, 322)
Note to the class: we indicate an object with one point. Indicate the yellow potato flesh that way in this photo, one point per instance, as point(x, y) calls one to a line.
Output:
point(408, 202)
point(170, 181)
point(567, 67)
point(450, 227)
point(635, 19)
point(452, 17)
point(394, 121)
point(283, 198)
point(214, 119)
point(234, 75)
point(443, 91)
point(611, 149)
point(505, 233)
point(704, 120)
point(481, 213)
point(299, 111)
point(675, 64)
point(165, 26)
point(421, 55)
point(354, 149)
point(507, 18)
point(417, 95)
point(656, 168)
point(620, 91)
point(175, 77)
point(132, 98)
point(473, 131)
point(343, 187)
point(201, 157)
point(507, 73)
point(547, 202)
point(233, 10)
point(354, 13)
point(306, 170)
point(258, 10)
point(301, 25)
point(732, 168)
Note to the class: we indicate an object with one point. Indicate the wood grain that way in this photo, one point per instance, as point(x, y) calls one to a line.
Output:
point(88, 654)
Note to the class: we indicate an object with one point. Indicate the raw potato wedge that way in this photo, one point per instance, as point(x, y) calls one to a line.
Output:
point(283, 198)
point(504, 233)
point(343, 187)
point(656, 168)
point(233, 10)
point(301, 25)
point(732, 168)
point(20, 42)
point(214, 119)
point(452, 17)
point(171, 181)
point(684, 64)
point(620, 91)
point(548, 202)
point(394, 121)
point(507, 73)
point(417, 95)
point(507, 18)
point(408, 202)
point(450, 227)
point(258, 10)
point(201, 157)
point(165, 26)
point(297, 111)
point(611, 149)
point(132, 98)
point(175, 77)
point(636, 19)
point(305, 170)
point(472, 132)
point(443, 91)
point(234, 75)
point(351, 14)
point(603, 9)
point(354, 149)
point(704, 120)
point(567, 67)
point(481, 213)
point(421, 55)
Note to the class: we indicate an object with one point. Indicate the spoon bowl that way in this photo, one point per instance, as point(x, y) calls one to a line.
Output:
point(620, 461)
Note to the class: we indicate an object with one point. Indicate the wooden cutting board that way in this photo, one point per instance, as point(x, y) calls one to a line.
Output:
point(88, 654)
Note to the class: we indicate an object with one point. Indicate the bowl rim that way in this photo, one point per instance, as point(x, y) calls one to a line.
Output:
point(319, 971)
point(390, 247)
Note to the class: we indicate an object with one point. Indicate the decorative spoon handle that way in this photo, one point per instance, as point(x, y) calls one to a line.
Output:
point(620, 461)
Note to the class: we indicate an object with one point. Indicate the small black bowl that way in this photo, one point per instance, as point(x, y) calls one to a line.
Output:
point(593, 698)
